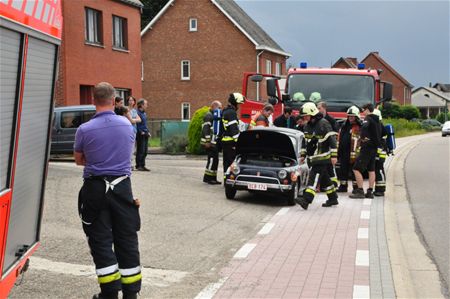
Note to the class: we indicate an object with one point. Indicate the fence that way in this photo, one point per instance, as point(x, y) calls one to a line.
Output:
point(164, 129)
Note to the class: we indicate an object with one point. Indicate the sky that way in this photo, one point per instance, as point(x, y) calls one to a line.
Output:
point(412, 36)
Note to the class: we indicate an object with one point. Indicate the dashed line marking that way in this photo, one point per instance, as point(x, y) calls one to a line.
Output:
point(363, 233)
point(282, 212)
point(362, 258)
point(361, 292)
point(210, 290)
point(365, 214)
point(244, 251)
point(266, 228)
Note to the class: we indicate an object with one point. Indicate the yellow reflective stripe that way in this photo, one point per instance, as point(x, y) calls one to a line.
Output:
point(109, 278)
point(227, 138)
point(131, 279)
point(334, 179)
point(310, 191)
point(330, 191)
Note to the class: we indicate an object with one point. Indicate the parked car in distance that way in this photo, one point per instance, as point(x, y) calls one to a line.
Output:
point(446, 129)
point(432, 123)
point(268, 160)
point(66, 120)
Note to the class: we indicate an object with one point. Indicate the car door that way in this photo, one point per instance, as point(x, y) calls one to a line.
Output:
point(69, 122)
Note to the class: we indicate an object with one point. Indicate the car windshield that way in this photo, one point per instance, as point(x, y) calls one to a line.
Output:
point(339, 91)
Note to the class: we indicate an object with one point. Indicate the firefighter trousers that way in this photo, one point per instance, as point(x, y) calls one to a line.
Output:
point(229, 153)
point(211, 165)
point(380, 176)
point(319, 173)
point(111, 219)
point(346, 172)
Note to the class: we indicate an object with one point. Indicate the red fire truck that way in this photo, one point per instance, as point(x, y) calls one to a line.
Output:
point(339, 88)
point(30, 34)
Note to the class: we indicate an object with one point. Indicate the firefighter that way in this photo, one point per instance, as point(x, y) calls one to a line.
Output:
point(319, 147)
point(209, 142)
point(369, 142)
point(230, 123)
point(380, 176)
point(109, 214)
point(261, 119)
point(348, 141)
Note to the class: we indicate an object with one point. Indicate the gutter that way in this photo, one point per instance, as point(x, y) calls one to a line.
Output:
point(257, 71)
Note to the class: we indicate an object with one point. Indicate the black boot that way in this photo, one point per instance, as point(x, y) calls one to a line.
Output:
point(357, 193)
point(369, 193)
point(342, 188)
point(302, 202)
point(127, 295)
point(330, 202)
point(113, 295)
point(378, 193)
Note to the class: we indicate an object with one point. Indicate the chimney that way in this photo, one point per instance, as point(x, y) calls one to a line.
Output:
point(429, 85)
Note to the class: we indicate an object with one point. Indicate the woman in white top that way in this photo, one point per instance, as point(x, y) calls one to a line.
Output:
point(133, 117)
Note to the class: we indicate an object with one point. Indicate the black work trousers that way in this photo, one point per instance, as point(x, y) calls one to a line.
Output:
point(345, 172)
point(112, 219)
point(141, 149)
point(212, 164)
point(380, 176)
point(229, 154)
point(319, 173)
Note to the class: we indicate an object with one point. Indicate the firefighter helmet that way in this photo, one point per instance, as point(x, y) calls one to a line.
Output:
point(236, 98)
point(353, 111)
point(315, 97)
point(309, 109)
point(299, 97)
point(377, 112)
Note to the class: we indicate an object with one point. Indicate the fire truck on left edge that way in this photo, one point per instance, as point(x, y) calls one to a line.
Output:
point(30, 34)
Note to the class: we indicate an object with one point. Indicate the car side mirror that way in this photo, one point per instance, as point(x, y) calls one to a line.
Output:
point(286, 97)
point(387, 92)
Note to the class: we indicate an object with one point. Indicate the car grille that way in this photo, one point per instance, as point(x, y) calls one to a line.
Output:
point(257, 179)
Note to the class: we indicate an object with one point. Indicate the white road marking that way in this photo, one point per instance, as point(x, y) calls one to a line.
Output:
point(363, 233)
point(154, 277)
point(362, 258)
point(282, 212)
point(266, 228)
point(367, 201)
point(210, 290)
point(361, 292)
point(365, 214)
point(244, 251)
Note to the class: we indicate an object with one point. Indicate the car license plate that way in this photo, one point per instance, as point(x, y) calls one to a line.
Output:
point(257, 186)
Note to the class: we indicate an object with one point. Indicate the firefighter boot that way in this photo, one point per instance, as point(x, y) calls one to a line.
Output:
point(369, 193)
point(302, 202)
point(113, 295)
point(378, 193)
point(332, 200)
point(342, 188)
point(127, 295)
point(357, 193)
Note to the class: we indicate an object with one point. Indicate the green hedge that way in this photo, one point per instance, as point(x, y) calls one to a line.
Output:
point(441, 117)
point(394, 110)
point(175, 144)
point(195, 131)
point(404, 127)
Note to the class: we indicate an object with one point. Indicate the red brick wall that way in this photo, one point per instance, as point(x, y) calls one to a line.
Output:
point(219, 54)
point(83, 64)
point(398, 86)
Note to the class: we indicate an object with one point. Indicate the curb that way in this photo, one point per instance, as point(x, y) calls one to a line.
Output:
point(414, 273)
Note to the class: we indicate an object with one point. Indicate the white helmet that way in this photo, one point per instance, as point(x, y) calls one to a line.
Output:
point(309, 109)
point(353, 111)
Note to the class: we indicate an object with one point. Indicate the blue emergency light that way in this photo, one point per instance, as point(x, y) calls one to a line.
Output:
point(303, 65)
point(361, 66)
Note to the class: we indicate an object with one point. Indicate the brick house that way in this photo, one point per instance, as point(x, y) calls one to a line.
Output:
point(401, 88)
point(196, 51)
point(100, 42)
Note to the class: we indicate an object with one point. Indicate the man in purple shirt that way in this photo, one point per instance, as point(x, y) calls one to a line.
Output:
point(109, 214)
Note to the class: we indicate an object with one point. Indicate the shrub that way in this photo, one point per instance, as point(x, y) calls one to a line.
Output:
point(175, 144)
point(441, 117)
point(391, 110)
point(409, 112)
point(403, 127)
point(195, 131)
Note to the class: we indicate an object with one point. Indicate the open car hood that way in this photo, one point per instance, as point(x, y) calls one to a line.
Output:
point(265, 142)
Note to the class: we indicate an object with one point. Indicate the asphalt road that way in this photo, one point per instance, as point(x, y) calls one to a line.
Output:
point(427, 172)
point(189, 232)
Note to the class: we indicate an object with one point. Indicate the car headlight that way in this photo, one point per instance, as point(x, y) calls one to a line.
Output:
point(235, 169)
point(282, 174)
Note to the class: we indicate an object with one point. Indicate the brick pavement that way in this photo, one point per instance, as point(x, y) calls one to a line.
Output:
point(318, 253)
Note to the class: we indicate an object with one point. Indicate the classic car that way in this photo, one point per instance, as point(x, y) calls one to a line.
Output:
point(268, 160)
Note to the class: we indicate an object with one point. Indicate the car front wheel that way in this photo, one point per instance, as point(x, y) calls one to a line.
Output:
point(230, 192)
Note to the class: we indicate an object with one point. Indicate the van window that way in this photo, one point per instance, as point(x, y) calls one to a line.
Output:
point(87, 115)
point(73, 119)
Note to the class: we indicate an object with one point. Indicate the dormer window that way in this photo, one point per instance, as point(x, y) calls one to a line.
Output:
point(192, 24)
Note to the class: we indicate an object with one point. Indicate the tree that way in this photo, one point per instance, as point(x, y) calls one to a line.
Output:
point(150, 10)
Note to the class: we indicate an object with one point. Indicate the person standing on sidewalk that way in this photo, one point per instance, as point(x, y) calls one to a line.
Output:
point(319, 147)
point(348, 140)
point(142, 136)
point(369, 143)
point(209, 142)
point(380, 175)
point(110, 218)
point(230, 123)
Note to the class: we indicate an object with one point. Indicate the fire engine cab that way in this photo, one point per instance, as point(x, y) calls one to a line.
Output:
point(339, 88)
point(30, 34)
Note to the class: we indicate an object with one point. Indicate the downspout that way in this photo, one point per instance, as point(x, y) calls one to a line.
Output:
point(257, 71)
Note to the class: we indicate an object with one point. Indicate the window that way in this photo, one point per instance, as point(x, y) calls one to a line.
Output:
point(185, 111)
point(93, 30)
point(278, 69)
point(268, 67)
point(120, 33)
point(86, 94)
point(192, 24)
point(185, 70)
point(73, 119)
point(123, 93)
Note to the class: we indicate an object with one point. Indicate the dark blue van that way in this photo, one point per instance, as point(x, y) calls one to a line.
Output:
point(66, 120)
